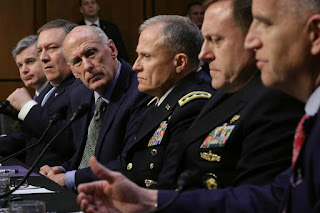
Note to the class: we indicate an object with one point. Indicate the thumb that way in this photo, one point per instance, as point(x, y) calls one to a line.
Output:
point(102, 172)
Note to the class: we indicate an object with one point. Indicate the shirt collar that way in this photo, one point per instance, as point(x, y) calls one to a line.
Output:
point(313, 103)
point(41, 88)
point(107, 94)
point(96, 22)
point(159, 101)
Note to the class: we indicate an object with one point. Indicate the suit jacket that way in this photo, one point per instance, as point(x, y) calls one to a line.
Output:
point(37, 121)
point(240, 138)
point(146, 153)
point(119, 119)
point(303, 194)
point(112, 31)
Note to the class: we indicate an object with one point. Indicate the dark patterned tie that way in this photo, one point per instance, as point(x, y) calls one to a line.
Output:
point(93, 135)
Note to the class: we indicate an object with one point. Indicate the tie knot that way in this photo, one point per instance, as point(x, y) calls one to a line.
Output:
point(100, 104)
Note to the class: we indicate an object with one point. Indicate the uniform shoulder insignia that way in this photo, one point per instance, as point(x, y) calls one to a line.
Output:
point(193, 95)
point(152, 100)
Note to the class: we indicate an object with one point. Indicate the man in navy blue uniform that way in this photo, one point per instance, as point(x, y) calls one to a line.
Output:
point(285, 36)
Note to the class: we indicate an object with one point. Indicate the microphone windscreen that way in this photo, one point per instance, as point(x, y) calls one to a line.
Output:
point(82, 109)
point(4, 104)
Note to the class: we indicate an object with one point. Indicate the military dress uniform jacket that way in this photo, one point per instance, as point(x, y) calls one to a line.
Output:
point(240, 138)
point(146, 153)
point(122, 112)
point(37, 121)
point(112, 31)
point(294, 190)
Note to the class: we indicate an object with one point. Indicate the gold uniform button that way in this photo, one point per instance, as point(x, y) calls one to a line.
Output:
point(211, 184)
point(129, 166)
point(151, 165)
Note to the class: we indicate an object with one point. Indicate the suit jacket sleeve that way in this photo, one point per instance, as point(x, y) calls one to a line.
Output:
point(12, 142)
point(246, 198)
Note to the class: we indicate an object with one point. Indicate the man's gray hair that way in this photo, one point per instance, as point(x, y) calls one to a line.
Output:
point(103, 38)
point(313, 5)
point(179, 34)
point(58, 23)
point(24, 44)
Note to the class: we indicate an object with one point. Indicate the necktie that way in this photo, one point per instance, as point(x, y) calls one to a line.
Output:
point(94, 25)
point(298, 140)
point(93, 134)
point(46, 97)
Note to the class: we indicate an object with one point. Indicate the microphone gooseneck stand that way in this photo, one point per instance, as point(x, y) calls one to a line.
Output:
point(181, 184)
point(80, 112)
point(53, 121)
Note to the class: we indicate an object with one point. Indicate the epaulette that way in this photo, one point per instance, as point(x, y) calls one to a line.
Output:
point(153, 99)
point(193, 95)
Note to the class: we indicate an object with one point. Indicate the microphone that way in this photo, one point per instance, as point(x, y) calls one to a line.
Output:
point(182, 182)
point(54, 119)
point(184, 178)
point(82, 109)
point(4, 104)
point(78, 113)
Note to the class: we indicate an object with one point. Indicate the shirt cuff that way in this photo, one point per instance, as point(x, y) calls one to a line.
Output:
point(70, 179)
point(25, 109)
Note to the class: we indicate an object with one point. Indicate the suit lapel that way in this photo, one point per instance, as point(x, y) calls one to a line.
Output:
point(84, 121)
point(43, 93)
point(60, 89)
point(158, 114)
point(119, 94)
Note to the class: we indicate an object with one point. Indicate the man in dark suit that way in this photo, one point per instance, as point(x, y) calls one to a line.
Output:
point(36, 114)
point(93, 58)
point(166, 66)
point(292, 68)
point(90, 11)
point(31, 73)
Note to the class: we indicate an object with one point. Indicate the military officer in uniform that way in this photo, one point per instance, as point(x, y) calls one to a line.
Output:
point(244, 134)
point(167, 63)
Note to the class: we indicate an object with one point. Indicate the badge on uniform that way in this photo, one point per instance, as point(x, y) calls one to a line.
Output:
point(218, 137)
point(158, 135)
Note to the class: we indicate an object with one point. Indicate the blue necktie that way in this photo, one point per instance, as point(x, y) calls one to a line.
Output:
point(46, 97)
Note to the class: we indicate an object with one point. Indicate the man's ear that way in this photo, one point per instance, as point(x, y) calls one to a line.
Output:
point(81, 11)
point(314, 25)
point(113, 48)
point(180, 61)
